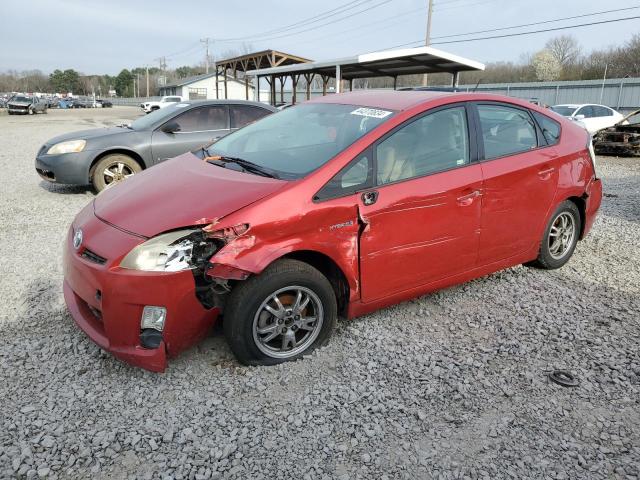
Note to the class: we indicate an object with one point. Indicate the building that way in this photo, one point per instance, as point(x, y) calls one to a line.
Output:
point(203, 87)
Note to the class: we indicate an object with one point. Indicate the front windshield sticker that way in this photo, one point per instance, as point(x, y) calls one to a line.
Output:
point(371, 112)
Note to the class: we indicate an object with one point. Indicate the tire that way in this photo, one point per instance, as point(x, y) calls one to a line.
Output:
point(32, 111)
point(246, 312)
point(560, 237)
point(120, 165)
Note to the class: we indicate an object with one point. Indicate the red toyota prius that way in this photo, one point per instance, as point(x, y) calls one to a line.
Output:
point(338, 206)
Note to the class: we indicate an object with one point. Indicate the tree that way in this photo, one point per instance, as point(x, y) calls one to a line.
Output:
point(124, 83)
point(546, 66)
point(67, 81)
point(565, 49)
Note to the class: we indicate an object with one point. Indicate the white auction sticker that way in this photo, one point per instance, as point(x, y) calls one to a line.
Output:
point(371, 112)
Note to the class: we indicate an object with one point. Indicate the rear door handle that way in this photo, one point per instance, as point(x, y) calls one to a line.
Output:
point(466, 200)
point(545, 174)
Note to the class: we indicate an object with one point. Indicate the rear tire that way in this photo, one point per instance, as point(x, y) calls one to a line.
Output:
point(113, 169)
point(560, 237)
point(280, 315)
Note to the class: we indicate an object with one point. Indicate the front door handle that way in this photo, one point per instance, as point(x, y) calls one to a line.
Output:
point(466, 200)
point(370, 197)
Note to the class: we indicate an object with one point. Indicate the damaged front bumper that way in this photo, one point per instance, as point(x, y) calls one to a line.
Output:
point(107, 301)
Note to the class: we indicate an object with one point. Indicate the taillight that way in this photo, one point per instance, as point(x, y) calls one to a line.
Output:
point(592, 154)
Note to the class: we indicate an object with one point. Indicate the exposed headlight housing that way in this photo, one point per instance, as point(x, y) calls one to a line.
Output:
point(70, 146)
point(171, 252)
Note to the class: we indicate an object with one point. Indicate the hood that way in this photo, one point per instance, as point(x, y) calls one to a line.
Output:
point(20, 102)
point(89, 134)
point(180, 192)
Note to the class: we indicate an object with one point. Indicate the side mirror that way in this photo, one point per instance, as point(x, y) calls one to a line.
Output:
point(171, 127)
point(578, 117)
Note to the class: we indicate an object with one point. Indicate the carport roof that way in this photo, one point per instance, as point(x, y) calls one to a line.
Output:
point(389, 63)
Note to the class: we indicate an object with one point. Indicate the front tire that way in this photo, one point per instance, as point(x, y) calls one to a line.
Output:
point(560, 237)
point(280, 315)
point(113, 169)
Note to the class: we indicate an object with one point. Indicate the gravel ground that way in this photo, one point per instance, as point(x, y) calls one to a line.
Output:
point(451, 385)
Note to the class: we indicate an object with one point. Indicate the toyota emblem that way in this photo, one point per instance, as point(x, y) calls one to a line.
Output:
point(77, 239)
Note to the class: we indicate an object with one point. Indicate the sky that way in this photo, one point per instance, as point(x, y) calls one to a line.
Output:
point(103, 37)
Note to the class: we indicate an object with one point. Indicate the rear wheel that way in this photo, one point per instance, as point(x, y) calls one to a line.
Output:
point(282, 314)
point(113, 169)
point(560, 237)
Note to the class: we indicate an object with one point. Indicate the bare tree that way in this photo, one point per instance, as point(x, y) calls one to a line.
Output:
point(565, 49)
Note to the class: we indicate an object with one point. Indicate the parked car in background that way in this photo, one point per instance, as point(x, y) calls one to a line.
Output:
point(26, 105)
point(591, 117)
point(164, 102)
point(106, 156)
point(103, 103)
point(341, 205)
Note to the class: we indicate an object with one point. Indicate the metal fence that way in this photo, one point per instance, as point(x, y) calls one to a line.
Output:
point(132, 101)
point(623, 94)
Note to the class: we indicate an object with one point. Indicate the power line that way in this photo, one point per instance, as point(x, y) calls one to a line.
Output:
point(446, 7)
point(315, 27)
point(536, 23)
point(517, 34)
point(316, 18)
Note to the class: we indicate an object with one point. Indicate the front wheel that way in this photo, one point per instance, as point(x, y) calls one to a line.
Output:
point(560, 237)
point(280, 315)
point(113, 169)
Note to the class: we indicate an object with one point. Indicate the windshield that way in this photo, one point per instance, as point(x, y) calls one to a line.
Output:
point(21, 99)
point(157, 116)
point(564, 111)
point(300, 139)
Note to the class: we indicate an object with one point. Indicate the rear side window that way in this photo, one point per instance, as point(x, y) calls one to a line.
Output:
point(242, 115)
point(603, 112)
point(506, 130)
point(588, 112)
point(550, 128)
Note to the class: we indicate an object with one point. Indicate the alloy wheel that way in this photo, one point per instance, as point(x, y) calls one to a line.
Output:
point(561, 235)
point(115, 173)
point(287, 322)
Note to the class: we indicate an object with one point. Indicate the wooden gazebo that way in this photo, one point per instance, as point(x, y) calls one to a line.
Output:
point(255, 61)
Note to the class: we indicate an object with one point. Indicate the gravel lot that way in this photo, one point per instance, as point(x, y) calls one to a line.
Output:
point(451, 385)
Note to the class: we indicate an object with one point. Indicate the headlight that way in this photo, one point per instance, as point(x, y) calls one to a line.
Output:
point(169, 252)
point(172, 252)
point(67, 147)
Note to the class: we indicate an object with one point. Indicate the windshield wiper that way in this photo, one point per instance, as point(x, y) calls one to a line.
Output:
point(245, 164)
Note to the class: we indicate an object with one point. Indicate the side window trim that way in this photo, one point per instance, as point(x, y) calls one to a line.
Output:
point(540, 140)
point(370, 183)
point(541, 129)
point(173, 119)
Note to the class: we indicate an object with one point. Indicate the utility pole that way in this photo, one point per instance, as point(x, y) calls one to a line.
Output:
point(206, 58)
point(147, 69)
point(427, 40)
point(162, 61)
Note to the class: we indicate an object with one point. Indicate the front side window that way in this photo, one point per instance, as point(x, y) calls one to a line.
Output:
point(300, 139)
point(506, 130)
point(242, 115)
point(435, 142)
point(357, 175)
point(202, 119)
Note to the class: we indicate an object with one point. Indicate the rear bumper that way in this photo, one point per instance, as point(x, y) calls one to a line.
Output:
point(593, 202)
point(107, 301)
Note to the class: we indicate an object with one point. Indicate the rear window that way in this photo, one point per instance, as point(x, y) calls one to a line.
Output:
point(550, 128)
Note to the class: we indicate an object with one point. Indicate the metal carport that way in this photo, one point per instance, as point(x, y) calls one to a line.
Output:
point(389, 63)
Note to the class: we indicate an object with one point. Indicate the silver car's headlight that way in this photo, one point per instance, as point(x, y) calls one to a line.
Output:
point(168, 252)
point(69, 146)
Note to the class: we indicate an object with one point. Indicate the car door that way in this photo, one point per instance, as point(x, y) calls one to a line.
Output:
point(422, 218)
point(197, 127)
point(589, 120)
point(520, 177)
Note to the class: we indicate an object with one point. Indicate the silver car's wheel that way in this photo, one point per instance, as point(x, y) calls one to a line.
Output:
point(287, 322)
point(561, 235)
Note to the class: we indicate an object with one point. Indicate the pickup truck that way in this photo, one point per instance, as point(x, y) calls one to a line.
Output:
point(164, 102)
